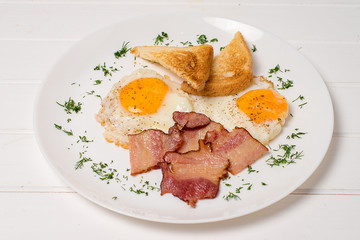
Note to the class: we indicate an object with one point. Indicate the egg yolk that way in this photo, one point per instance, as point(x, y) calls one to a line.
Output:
point(143, 96)
point(263, 105)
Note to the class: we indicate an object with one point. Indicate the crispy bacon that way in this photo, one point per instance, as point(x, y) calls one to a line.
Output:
point(148, 148)
point(193, 175)
point(190, 120)
point(192, 136)
point(238, 146)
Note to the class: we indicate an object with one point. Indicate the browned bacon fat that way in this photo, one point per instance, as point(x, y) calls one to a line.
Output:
point(238, 146)
point(148, 148)
point(193, 175)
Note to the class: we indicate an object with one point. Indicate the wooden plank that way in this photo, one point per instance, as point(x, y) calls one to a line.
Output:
point(196, 2)
point(66, 215)
point(28, 60)
point(33, 21)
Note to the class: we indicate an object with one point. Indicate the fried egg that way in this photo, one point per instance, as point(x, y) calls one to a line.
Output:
point(140, 101)
point(260, 109)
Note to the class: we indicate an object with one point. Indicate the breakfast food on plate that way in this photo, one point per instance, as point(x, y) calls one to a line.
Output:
point(140, 101)
point(220, 123)
point(194, 158)
point(190, 63)
point(260, 109)
point(193, 175)
point(231, 71)
point(149, 147)
point(238, 146)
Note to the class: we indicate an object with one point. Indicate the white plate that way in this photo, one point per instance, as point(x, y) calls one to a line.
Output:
point(73, 76)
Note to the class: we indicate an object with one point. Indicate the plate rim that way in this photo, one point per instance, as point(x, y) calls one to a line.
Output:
point(299, 182)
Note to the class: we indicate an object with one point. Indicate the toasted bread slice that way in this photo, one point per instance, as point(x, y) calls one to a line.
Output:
point(192, 64)
point(231, 71)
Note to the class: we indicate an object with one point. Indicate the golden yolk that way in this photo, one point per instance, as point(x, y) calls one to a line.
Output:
point(263, 105)
point(143, 96)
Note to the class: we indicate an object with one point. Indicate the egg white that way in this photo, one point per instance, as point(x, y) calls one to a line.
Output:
point(118, 122)
point(224, 110)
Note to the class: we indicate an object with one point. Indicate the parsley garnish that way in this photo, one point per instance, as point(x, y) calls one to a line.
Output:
point(70, 133)
point(105, 70)
point(231, 195)
point(80, 163)
point(300, 97)
point(221, 48)
point(297, 134)
point(202, 39)
point(288, 156)
point(70, 106)
point(254, 48)
point(104, 172)
point(251, 170)
point(122, 52)
point(285, 84)
point(97, 82)
point(160, 38)
point(84, 139)
point(275, 69)
point(187, 43)
point(214, 40)
point(138, 191)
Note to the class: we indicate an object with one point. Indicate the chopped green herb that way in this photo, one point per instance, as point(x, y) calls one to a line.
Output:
point(249, 187)
point(70, 133)
point(289, 156)
point(138, 191)
point(80, 163)
point(275, 69)
point(97, 82)
point(285, 84)
point(300, 97)
point(84, 139)
point(70, 106)
point(160, 38)
point(214, 40)
point(122, 52)
point(231, 195)
point(104, 69)
point(297, 134)
point(301, 105)
point(57, 126)
point(105, 172)
point(237, 190)
point(254, 48)
point(221, 48)
point(264, 184)
point(115, 198)
point(202, 39)
point(227, 184)
point(251, 170)
point(187, 43)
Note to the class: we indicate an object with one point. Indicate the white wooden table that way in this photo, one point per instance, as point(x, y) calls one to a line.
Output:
point(36, 204)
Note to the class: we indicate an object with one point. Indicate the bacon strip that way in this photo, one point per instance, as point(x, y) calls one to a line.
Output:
point(238, 146)
point(192, 137)
point(148, 148)
point(193, 175)
point(190, 120)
